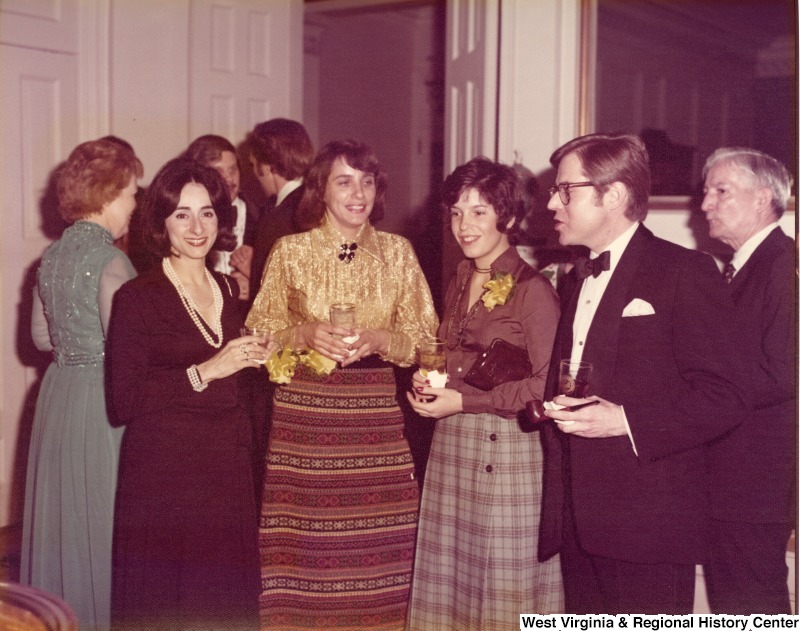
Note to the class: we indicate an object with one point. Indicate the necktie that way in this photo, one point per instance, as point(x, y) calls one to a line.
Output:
point(728, 273)
point(585, 267)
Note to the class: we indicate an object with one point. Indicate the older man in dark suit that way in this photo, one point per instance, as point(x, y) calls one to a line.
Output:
point(753, 468)
point(625, 496)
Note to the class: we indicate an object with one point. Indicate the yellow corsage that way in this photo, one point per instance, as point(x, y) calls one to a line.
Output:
point(282, 364)
point(499, 290)
point(317, 362)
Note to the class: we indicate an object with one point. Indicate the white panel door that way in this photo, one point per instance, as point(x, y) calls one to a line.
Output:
point(471, 80)
point(471, 56)
point(244, 56)
point(39, 103)
point(41, 24)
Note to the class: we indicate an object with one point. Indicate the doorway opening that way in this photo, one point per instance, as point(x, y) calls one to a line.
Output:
point(374, 72)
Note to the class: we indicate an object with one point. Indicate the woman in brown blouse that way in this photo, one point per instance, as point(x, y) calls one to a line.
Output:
point(476, 565)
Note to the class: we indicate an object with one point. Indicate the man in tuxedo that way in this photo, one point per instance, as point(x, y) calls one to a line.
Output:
point(625, 495)
point(753, 468)
point(280, 151)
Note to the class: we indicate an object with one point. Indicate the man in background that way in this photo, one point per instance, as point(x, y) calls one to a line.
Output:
point(218, 153)
point(753, 468)
point(280, 151)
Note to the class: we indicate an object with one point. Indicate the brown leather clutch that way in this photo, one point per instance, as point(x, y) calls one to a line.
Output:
point(500, 363)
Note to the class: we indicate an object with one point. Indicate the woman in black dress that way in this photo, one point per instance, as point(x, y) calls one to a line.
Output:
point(185, 543)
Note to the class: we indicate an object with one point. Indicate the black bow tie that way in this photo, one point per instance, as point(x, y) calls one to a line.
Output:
point(585, 267)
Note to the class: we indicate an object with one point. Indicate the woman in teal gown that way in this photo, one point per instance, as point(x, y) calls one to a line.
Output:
point(74, 449)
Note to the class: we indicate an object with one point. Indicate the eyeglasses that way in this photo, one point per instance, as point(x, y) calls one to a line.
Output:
point(563, 190)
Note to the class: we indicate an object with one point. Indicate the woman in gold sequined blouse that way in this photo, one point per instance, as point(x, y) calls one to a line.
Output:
point(339, 512)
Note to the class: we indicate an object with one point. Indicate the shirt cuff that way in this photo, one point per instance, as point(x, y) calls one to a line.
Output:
point(476, 403)
point(628, 431)
point(400, 350)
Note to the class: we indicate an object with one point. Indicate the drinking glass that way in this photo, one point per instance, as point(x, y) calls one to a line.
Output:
point(574, 378)
point(264, 334)
point(343, 314)
point(433, 362)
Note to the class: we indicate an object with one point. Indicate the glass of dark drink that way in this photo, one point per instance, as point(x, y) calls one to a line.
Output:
point(574, 379)
point(433, 362)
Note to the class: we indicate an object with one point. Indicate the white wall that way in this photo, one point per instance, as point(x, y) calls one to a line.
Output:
point(676, 219)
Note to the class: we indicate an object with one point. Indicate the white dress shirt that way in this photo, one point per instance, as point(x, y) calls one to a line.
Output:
point(589, 298)
point(223, 263)
point(743, 254)
point(289, 187)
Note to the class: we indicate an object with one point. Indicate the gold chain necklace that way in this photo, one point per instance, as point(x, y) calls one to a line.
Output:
point(191, 306)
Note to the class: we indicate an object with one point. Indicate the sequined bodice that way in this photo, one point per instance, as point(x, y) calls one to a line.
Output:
point(69, 278)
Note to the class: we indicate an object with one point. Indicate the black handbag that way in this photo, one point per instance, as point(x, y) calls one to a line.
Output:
point(500, 363)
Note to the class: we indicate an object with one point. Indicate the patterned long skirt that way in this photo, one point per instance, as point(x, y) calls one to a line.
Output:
point(476, 565)
point(339, 512)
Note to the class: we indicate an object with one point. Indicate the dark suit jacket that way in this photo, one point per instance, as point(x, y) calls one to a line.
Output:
point(669, 371)
point(753, 468)
point(276, 222)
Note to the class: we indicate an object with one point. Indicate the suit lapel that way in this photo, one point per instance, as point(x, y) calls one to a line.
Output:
point(768, 248)
point(562, 347)
point(602, 339)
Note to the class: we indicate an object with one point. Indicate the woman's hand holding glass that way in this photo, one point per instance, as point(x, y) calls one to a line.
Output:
point(325, 338)
point(433, 402)
point(367, 342)
point(247, 351)
point(437, 401)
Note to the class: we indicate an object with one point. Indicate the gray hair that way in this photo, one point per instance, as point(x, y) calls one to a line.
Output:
point(765, 170)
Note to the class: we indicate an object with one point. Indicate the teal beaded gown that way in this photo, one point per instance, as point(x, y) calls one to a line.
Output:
point(74, 450)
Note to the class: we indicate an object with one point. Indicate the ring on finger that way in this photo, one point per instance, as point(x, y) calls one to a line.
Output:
point(243, 347)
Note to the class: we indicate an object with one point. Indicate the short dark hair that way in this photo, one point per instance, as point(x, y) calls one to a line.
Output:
point(497, 184)
point(95, 173)
point(209, 148)
point(609, 158)
point(357, 155)
point(163, 196)
point(283, 144)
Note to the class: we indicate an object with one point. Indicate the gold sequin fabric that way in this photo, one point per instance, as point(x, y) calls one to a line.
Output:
point(304, 276)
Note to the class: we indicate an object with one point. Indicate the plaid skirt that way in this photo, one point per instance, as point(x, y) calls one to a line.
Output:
point(339, 512)
point(476, 566)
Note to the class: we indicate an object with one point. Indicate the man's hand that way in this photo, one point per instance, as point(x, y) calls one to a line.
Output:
point(242, 259)
point(603, 420)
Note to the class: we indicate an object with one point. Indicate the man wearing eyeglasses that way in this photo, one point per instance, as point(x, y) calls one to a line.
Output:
point(624, 500)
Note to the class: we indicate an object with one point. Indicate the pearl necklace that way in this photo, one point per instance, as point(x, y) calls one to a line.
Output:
point(191, 306)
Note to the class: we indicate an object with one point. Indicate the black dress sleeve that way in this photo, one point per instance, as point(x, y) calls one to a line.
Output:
point(151, 343)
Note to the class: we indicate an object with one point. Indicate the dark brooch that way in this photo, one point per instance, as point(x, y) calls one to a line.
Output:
point(348, 252)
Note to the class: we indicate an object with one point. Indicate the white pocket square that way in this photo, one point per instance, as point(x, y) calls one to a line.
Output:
point(638, 307)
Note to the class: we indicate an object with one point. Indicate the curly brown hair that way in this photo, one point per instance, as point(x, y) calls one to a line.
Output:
point(498, 185)
point(94, 175)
